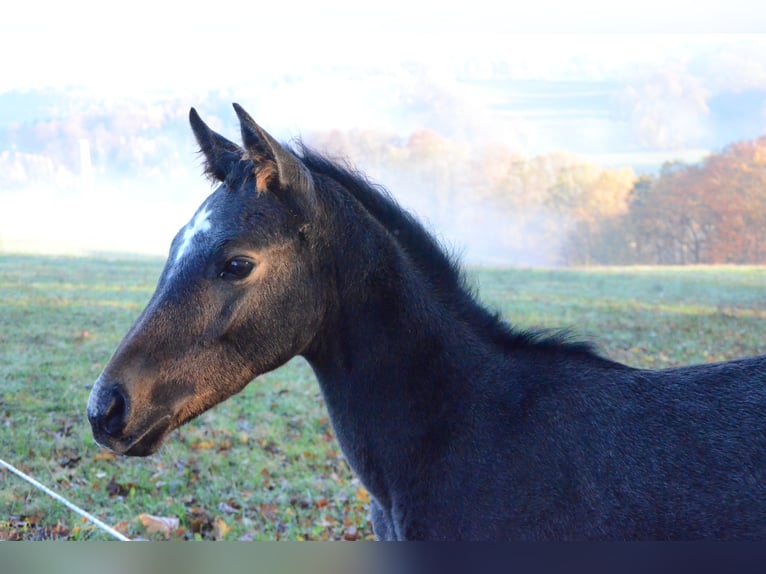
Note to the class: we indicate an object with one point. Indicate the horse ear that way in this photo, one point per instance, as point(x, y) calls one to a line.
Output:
point(296, 186)
point(220, 153)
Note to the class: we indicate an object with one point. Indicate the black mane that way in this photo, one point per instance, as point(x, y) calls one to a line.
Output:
point(440, 267)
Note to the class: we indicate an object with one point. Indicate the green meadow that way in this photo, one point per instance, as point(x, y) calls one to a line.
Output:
point(265, 464)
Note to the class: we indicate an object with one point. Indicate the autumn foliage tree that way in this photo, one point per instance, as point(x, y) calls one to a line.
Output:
point(591, 198)
point(735, 185)
point(713, 212)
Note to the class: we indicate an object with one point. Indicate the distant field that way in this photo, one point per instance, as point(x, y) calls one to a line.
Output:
point(265, 465)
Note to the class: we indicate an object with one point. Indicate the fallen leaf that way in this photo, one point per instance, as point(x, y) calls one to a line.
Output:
point(69, 460)
point(162, 524)
point(269, 511)
point(104, 455)
point(267, 478)
point(351, 534)
point(200, 520)
point(328, 522)
point(114, 488)
point(203, 444)
point(221, 528)
point(123, 526)
point(362, 495)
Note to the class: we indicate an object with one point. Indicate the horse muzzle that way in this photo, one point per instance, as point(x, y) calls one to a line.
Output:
point(115, 427)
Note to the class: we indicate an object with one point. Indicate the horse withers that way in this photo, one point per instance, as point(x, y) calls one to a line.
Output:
point(459, 426)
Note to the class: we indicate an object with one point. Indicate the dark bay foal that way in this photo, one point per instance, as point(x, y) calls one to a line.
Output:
point(458, 425)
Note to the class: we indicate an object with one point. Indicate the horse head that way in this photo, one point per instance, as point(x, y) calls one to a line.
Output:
point(237, 297)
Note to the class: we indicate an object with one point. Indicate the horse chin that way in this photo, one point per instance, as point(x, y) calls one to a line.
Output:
point(150, 440)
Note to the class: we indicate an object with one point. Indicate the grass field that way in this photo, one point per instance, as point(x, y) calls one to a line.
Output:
point(264, 465)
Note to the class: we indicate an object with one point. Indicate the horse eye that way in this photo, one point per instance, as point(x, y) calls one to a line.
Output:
point(237, 268)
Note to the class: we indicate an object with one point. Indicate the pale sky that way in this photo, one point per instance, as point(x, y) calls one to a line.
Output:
point(150, 44)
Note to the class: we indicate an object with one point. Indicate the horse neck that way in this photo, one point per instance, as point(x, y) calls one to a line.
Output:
point(392, 359)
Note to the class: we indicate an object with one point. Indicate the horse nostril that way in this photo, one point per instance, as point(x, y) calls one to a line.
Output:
point(115, 415)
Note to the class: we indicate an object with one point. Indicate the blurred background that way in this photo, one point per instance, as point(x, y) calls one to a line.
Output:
point(541, 135)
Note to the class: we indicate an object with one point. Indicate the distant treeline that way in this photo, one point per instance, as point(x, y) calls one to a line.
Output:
point(559, 205)
point(711, 212)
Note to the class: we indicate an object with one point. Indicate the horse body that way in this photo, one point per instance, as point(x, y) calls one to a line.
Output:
point(545, 447)
point(459, 426)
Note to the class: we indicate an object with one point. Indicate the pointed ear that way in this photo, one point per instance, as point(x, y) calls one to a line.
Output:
point(220, 154)
point(278, 169)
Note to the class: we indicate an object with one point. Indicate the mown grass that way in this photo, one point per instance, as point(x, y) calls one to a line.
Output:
point(265, 465)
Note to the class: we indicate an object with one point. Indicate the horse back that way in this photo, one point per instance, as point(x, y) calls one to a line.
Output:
point(597, 450)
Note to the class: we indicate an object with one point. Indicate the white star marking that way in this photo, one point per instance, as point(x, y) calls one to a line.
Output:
point(199, 224)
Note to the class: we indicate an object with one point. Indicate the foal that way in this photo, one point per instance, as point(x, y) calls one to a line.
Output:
point(458, 425)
